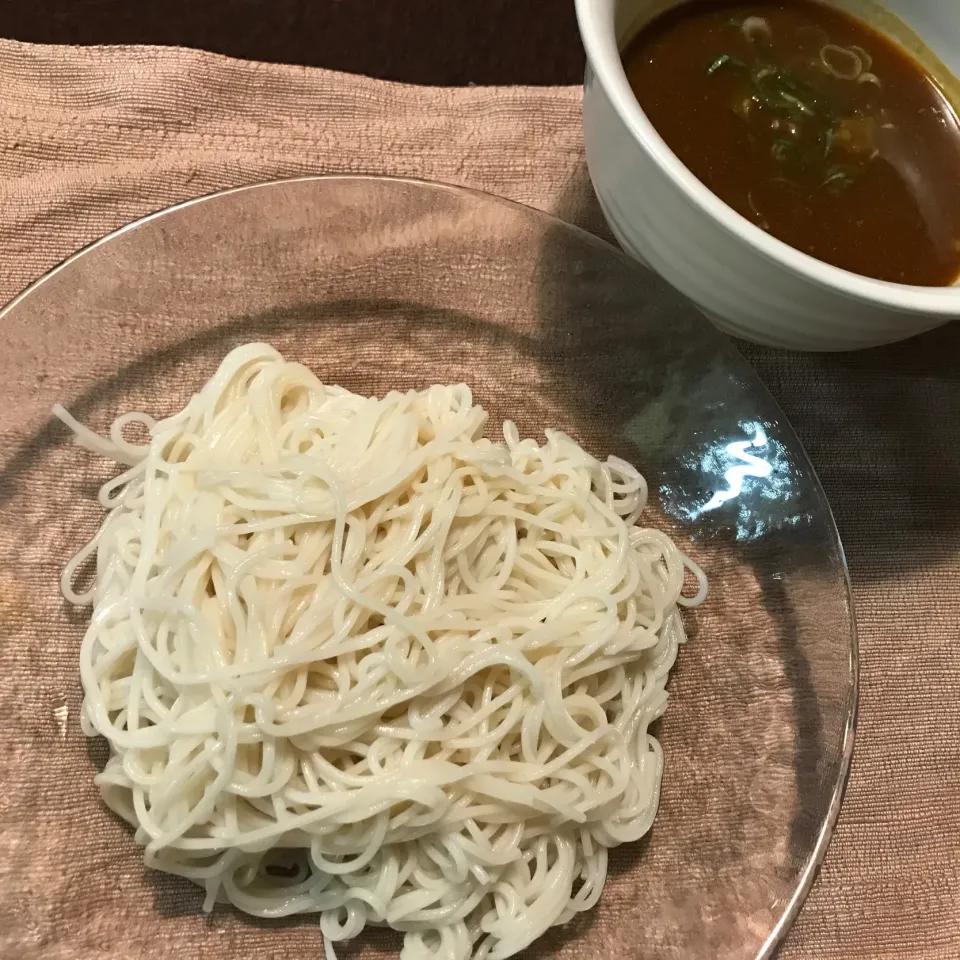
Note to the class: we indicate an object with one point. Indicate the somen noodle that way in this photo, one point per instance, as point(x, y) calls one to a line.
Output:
point(352, 658)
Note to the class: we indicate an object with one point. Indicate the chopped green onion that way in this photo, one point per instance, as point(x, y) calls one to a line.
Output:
point(797, 87)
point(770, 86)
point(829, 138)
point(795, 101)
point(725, 60)
point(838, 177)
point(782, 147)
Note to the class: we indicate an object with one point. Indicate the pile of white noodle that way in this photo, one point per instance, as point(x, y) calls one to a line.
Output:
point(352, 659)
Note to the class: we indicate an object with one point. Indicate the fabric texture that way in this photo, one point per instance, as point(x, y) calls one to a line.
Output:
point(93, 138)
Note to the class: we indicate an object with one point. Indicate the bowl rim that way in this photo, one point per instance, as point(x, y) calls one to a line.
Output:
point(598, 34)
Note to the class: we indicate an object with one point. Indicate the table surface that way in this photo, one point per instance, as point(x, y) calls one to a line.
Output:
point(445, 42)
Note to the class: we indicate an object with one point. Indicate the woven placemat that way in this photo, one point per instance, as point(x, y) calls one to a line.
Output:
point(91, 139)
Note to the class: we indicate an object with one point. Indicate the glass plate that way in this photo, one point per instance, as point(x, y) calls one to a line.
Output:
point(387, 284)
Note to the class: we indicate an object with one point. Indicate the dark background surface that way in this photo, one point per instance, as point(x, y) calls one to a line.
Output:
point(451, 42)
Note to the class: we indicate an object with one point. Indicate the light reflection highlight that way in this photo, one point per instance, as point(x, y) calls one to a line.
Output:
point(751, 466)
point(748, 486)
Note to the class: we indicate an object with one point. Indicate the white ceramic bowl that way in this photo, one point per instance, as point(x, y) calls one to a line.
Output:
point(749, 283)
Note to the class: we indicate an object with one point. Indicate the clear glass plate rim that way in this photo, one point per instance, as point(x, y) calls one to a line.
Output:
point(818, 851)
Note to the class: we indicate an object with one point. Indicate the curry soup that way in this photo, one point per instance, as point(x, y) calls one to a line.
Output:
point(812, 125)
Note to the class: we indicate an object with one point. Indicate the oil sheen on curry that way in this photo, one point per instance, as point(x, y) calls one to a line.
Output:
point(814, 126)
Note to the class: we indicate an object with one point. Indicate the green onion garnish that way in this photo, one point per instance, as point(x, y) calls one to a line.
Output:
point(829, 137)
point(838, 177)
point(782, 147)
point(725, 60)
point(794, 101)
